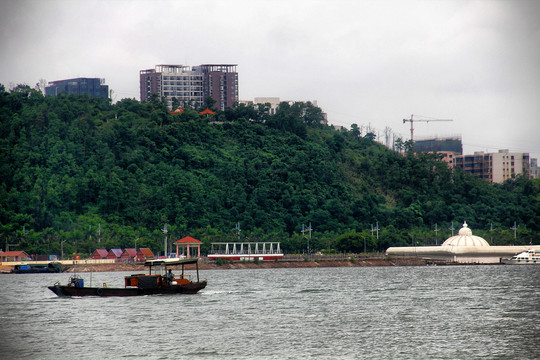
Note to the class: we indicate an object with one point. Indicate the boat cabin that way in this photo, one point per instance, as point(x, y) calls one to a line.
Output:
point(159, 280)
point(529, 255)
point(160, 274)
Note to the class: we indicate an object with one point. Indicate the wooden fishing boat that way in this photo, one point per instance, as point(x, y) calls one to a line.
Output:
point(157, 281)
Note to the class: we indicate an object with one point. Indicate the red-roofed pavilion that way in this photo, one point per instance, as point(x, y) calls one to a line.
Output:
point(177, 111)
point(207, 112)
point(186, 244)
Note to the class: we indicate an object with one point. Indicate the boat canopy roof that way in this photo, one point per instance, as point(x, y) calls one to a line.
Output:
point(170, 262)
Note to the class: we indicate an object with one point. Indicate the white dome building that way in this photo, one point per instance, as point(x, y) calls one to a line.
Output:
point(463, 248)
point(465, 238)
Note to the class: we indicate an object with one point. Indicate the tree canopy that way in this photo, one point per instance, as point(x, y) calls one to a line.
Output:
point(71, 165)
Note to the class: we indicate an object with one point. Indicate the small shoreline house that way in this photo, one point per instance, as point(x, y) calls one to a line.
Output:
point(114, 254)
point(13, 256)
point(129, 255)
point(99, 254)
point(144, 254)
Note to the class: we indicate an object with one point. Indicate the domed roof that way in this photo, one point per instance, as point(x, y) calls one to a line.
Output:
point(465, 238)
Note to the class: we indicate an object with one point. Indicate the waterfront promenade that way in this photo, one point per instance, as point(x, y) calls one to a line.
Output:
point(288, 261)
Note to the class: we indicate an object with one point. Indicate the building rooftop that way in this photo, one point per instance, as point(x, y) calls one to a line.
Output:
point(465, 238)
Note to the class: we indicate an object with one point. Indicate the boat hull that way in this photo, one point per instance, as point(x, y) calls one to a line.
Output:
point(65, 290)
point(39, 269)
point(520, 262)
point(529, 257)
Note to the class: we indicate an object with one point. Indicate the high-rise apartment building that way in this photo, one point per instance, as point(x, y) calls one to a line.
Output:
point(534, 169)
point(79, 86)
point(494, 167)
point(220, 82)
point(191, 85)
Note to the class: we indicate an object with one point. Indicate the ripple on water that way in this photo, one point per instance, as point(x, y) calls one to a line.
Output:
point(361, 313)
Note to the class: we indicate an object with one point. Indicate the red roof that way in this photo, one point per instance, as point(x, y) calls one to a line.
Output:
point(188, 240)
point(131, 252)
point(177, 111)
point(114, 253)
point(15, 253)
point(146, 252)
point(100, 254)
point(207, 111)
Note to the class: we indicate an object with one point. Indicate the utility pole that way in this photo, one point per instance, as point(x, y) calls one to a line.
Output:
point(452, 228)
point(304, 230)
point(411, 120)
point(515, 231)
point(375, 229)
point(8, 245)
point(436, 233)
point(7, 239)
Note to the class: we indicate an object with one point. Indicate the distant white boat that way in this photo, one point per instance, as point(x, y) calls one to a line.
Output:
point(528, 257)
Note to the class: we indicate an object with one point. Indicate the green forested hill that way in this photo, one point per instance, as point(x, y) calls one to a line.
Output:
point(90, 174)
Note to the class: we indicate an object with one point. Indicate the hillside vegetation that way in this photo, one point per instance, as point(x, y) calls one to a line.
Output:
point(89, 174)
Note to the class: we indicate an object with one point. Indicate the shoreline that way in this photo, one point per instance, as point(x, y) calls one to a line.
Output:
point(401, 261)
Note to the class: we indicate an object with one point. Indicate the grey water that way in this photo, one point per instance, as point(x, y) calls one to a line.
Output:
point(446, 312)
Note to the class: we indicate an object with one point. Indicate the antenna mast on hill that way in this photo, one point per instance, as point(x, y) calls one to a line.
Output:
point(411, 120)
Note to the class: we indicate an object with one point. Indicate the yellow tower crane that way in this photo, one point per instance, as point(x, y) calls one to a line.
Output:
point(416, 120)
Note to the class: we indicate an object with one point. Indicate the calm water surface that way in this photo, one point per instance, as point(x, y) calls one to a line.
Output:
point(455, 312)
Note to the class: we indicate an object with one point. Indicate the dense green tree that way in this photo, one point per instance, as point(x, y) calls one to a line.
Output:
point(71, 165)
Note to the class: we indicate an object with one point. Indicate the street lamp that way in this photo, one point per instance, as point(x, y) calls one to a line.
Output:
point(165, 231)
point(363, 237)
point(62, 249)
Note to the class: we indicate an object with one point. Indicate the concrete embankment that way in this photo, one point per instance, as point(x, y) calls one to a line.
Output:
point(305, 263)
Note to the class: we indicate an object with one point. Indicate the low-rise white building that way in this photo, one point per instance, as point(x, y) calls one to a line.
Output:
point(463, 248)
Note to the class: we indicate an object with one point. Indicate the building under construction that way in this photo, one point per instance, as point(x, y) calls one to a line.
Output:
point(450, 147)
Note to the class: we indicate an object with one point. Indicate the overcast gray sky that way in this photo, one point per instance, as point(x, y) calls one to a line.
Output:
point(365, 62)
